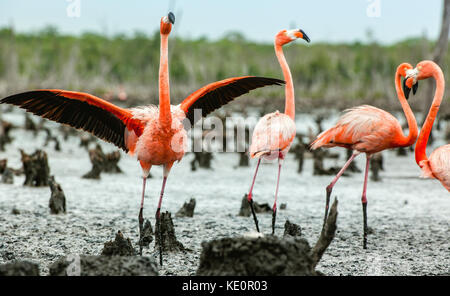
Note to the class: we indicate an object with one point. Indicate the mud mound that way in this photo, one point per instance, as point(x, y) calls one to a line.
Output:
point(121, 246)
point(19, 268)
point(187, 210)
point(270, 255)
point(104, 266)
point(244, 256)
point(292, 229)
point(167, 236)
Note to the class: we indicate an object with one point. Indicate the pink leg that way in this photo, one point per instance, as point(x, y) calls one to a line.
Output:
point(158, 219)
point(249, 196)
point(274, 214)
point(364, 201)
point(330, 187)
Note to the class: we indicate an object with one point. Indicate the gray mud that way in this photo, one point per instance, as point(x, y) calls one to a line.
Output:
point(409, 216)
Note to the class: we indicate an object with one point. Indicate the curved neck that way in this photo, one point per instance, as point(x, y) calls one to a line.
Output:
point(405, 141)
point(164, 87)
point(421, 146)
point(290, 98)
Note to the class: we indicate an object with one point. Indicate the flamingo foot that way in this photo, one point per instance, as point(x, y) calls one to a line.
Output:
point(158, 229)
point(141, 226)
point(364, 205)
point(327, 204)
point(250, 201)
point(274, 217)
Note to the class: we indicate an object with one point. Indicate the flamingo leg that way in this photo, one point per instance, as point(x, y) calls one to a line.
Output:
point(364, 202)
point(249, 196)
point(336, 178)
point(141, 217)
point(158, 219)
point(274, 214)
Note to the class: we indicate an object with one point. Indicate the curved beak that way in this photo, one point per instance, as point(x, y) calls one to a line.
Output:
point(304, 36)
point(406, 89)
point(171, 17)
point(410, 82)
point(415, 87)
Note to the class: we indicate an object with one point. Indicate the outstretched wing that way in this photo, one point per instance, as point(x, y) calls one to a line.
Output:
point(217, 94)
point(79, 110)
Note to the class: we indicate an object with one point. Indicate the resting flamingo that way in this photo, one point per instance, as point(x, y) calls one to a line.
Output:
point(155, 136)
point(436, 166)
point(274, 132)
point(367, 129)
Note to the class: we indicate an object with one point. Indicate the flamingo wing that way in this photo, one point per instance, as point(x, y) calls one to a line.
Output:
point(364, 128)
point(79, 110)
point(438, 166)
point(217, 94)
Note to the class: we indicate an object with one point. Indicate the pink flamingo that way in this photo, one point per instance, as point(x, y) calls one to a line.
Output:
point(369, 129)
point(274, 132)
point(437, 166)
point(156, 136)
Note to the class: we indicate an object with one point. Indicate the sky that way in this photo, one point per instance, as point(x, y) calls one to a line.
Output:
point(259, 20)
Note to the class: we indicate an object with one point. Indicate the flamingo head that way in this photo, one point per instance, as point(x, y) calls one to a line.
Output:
point(406, 70)
point(285, 36)
point(166, 23)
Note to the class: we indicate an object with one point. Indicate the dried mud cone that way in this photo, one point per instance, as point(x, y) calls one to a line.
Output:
point(111, 162)
point(29, 124)
point(299, 151)
point(250, 256)
point(8, 176)
point(402, 151)
point(145, 236)
point(19, 268)
point(376, 164)
point(292, 229)
point(84, 265)
point(352, 167)
point(169, 240)
point(121, 246)
point(326, 236)
point(102, 162)
point(35, 168)
point(5, 138)
point(187, 210)
point(57, 203)
point(243, 160)
point(245, 210)
point(97, 157)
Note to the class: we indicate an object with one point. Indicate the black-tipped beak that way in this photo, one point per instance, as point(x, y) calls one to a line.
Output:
point(415, 87)
point(406, 89)
point(305, 37)
point(171, 17)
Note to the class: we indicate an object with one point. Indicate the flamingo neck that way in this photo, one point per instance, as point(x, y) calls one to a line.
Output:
point(289, 88)
point(421, 146)
point(405, 141)
point(165, 115)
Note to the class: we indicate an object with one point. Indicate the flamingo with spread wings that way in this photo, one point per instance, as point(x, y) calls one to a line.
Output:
point(437, 166)
point(274, 132)
point(367, 129)
point(155, 135)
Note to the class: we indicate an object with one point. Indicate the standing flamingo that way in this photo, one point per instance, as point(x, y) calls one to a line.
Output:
point(369, 129)
point(156, 136)
point(438, 164)
point(274, 132)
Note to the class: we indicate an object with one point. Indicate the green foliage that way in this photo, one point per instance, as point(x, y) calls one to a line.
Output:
point(96, 62)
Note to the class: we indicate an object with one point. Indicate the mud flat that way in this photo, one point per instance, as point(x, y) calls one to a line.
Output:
point(409, 217)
